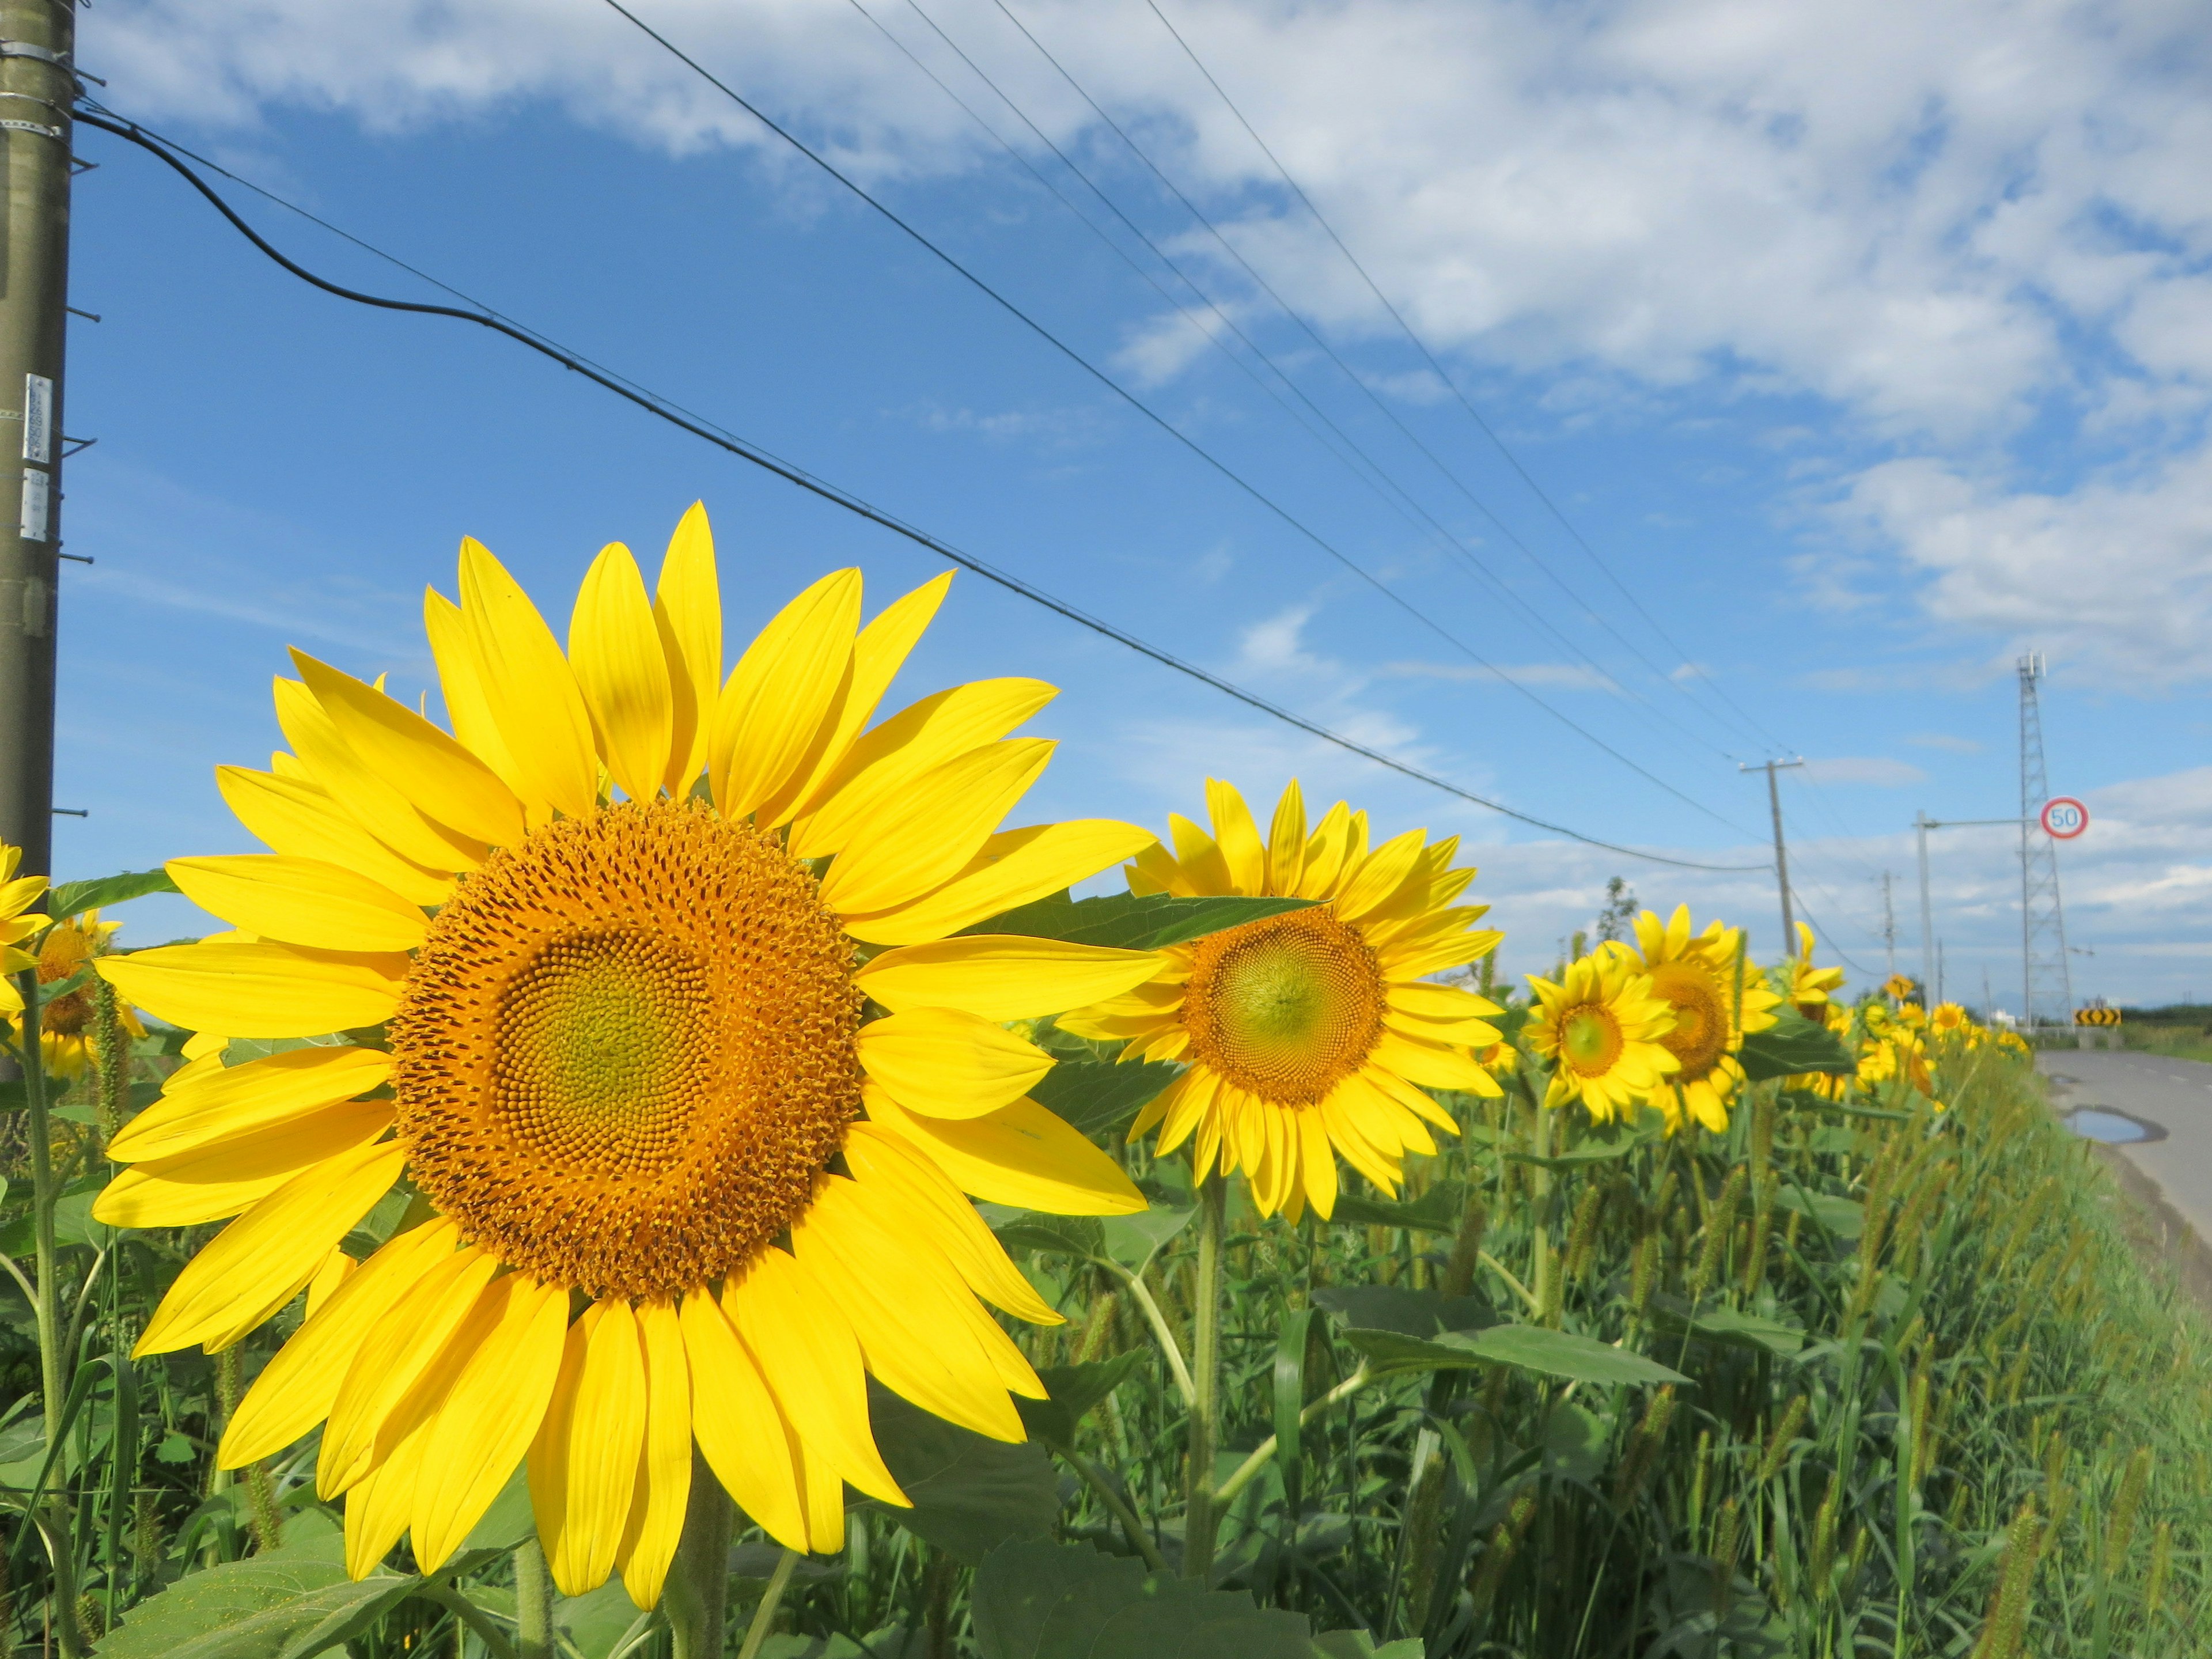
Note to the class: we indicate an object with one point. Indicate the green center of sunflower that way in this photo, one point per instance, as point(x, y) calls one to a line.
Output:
point(1284, 1008)
point(1590, 1039)
point(625, 1053)
point(1701, 1022)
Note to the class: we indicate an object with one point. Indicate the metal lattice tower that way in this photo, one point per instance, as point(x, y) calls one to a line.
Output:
point(2047, 978)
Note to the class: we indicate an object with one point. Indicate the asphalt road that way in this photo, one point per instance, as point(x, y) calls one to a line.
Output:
point(2174, 1095)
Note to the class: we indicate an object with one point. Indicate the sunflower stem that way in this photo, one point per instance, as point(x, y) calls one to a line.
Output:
point(1205, 1383)
point(533, 1602)
point(757, 1633)
point(1540, 1235)
point(697, 1596)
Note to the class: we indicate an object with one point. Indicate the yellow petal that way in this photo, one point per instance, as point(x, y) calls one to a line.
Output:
point(1427, 999)
point(878, 655)
point(876, 770)
point(301, 902)
point(937, 825)
point(440, 778)
point(1318, 1162)
point(300, 819)
point(1326, 850)
point(467, 706)
point(898, 1174)
point(596, 1449)
point(257, 990)
point(1003, 976)
point(211, 1106)
point(1381, 874)
point(1238, 836)
point(1429, 1063)
point(944, 1063)
point(741, 1434)
point(384, 812)
point(210, 1182)
point(534, 698)
point(377, 1511)
point(770, 721)
point(1200, 855)
point(616, 651)
point(487, 1420)
point(1012, 869)
point(1287, 841)
point(687, 615)
point(1020, 1155)
point(338, 1267)
point(296, 1388)
point(265, 1258)
point(656, 1515)
point(812, 1362)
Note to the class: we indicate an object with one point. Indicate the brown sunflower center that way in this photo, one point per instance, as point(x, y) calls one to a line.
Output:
point(1287, 1008)
point(625, 1051)
point(1701, 1021)
point(1591, 1039)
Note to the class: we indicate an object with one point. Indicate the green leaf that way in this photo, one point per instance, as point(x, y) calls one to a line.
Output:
point(290, 1603)
point(1794, 1045)
point(1574, 1444)
point(1392, 1353)
point(1134, 1240)
point(1359, 1645)
point(1060, 1235)
point(1045, 1601)
point(1726, 1326)
point(1439, 1209)
point(597, 1623)
point(72, 898)
point(970, 1494)
point(1099, 1097)
point(1074, 1391)
point(1130, 922)
point(1408, 1312)
point(1560, 1353)
point(1843, 1218)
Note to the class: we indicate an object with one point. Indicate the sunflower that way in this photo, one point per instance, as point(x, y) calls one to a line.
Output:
point(1316, 1033)
point(1716, 1002)
point(1605, 1031)
point(65, 1043)
point(1811, 988)
point(701, 1065)
point(1949, 1019)
point(17, 923)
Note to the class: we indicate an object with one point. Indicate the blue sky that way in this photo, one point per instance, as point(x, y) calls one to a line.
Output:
point(1865, 358)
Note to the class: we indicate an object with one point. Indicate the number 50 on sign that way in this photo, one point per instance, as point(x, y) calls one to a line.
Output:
point(2063, 817)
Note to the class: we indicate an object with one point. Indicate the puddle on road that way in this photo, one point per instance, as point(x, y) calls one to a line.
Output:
point(2113, 1128)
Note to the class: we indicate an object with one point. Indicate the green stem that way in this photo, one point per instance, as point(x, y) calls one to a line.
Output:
point(757, 1633)
point(1133, 1527)
point(1540, 1268)
point(1205, 1384)
point(533, 1602)
point(698, 1594)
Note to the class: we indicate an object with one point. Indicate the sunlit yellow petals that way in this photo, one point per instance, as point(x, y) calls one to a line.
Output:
point(900, 1176)
point(811, 1361)
point(1287, 841)
point(1013, 868)
point(1237, 837)
point(687, 615)
point(1429, 1063)
point(212, 1105)
point(377, 1511)
point(1020, 1155)
point(769, 718)
point(1003, 976)
point(945, 1063)
point(1353, 1143)
point(403, 1344)
point(468, 705)
point(535, 700)
point(1427, 999)
point(1326, 851)
point(377, 807)
point(300, 819)
point(656, 1515)
point(1380, 875)
point(1188, 1103)
point(740, 1432)
point(584, 1463)
point(443, 779)
point(616, 651)
point(1155, 870)
point(487, 1418)
point(1407, 959)
point(297, 1387)
point(301, 900)
point(265, 1257)
point(902, 1305)
point(823, 1490)
point(938, 822)
point(257, 990)
point(878, 655)
point(1204, 867)
point(879, 767)
point(210, 1182)
point(338, 1267)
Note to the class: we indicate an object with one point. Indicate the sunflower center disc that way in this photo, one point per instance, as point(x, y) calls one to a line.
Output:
point(626, 1049)
point(1701, 1024)
point(1591, 1039)
point(1284, 1008)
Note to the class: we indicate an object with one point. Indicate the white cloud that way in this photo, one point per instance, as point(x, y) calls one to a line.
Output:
point(1876, 769)
point(1548, 676)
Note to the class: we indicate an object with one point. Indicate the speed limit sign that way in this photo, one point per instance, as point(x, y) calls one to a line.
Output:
point(2063, 817)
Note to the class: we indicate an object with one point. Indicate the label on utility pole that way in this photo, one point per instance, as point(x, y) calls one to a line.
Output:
point(38, 426)
point(36, 489)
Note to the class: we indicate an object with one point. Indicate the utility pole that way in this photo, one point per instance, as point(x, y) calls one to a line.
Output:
point(1781, 853)
point(38, 85)
point(1888, 930)
point(2046, 976)
point(1923, 823)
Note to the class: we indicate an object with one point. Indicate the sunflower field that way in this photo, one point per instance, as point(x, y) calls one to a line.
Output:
point(656, 1165)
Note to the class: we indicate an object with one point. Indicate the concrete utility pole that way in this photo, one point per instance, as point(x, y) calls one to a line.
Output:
point(1781, 853)
point(1888, 930)
point(37, 87)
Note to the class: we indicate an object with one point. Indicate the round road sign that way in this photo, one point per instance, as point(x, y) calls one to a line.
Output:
point(2063, 817)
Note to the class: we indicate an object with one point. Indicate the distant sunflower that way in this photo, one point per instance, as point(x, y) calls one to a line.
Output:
point(66, 1023)
point(622, 1043)
point(1716, 1000)
point(1313, 1034)
point(1949, 1019)
point(1811, 989)
point(1604, 1030)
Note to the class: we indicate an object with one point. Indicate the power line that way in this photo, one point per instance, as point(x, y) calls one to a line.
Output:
point(699, 427)
point(1452, 385)
point(1149, 413)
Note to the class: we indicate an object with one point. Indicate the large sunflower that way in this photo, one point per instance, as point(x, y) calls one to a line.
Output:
point(1604, 1030)
point(1317, 1032)
point(700, 1064)
point(1717, 999)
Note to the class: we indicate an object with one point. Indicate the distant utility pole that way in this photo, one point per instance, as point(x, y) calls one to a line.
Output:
point(2046, 976)
point(1781, 853)
point(37, 84)
point(1888, 930)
